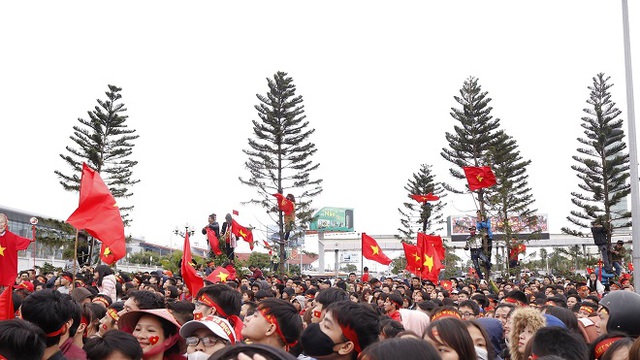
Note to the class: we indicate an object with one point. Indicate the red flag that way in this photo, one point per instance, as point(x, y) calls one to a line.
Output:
point(235, 212)
point(372, 251)
point(189, 275)
point(213, 241)
point(266, 245)
point(99, 215)
point(6, 304)
point(412, 255)
point(10, 243)
point(425, 198)
point(242, 232)
point(446, 284)
point(433, 241)
point(219, 274)
point(285, 205)
point(431, 264)
point(630, 266)
point(479, 177)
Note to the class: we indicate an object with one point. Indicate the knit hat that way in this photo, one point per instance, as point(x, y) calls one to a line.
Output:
point(78, 294)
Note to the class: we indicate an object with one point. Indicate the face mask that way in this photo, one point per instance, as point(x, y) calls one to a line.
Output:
point(481, 353)
point(198, 355)
point(315, 342)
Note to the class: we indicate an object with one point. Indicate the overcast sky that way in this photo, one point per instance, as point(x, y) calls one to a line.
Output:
point(377, 77)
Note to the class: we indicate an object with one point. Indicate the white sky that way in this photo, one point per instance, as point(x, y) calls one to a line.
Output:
point(377, 77)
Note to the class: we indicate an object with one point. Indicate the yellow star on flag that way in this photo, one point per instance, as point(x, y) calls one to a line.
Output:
point(107, 251)
point(242, 234)
point(2, 250)
point(479, 177)
point(416, 256)
point(375, 249)
point(428, 261)
point(223, 276)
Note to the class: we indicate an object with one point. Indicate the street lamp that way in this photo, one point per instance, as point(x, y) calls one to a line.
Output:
point(187, 230)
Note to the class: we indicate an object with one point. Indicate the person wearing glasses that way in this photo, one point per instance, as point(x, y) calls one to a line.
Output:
point(205, 337)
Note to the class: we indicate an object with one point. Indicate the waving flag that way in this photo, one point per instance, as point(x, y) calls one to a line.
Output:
point(268, 247)
point(424, 198)
point(285, 205)
point(413, 257)
point(372, 251)
point(213, 241)
point(479, 177)
point(99, 215)
point(219, 274)
point(189, 275)
point(242, 232)
point(434, 241)
point(431, 264)
point(6, 304)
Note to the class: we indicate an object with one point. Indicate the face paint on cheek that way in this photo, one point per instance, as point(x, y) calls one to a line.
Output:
point(104, 327)
point(153, 339)
point(198, 316)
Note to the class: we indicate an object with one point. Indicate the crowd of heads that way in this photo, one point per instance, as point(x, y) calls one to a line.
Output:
point(154, 315)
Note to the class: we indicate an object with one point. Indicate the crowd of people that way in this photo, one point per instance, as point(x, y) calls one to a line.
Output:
point(99, 313)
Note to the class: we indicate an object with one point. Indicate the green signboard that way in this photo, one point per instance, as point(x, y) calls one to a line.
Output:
point(332, 219)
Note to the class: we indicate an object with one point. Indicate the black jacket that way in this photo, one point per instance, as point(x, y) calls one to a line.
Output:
point(599, 235)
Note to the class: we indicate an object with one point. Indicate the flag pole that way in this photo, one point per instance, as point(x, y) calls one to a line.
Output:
point(362, 254)
point(75, 256)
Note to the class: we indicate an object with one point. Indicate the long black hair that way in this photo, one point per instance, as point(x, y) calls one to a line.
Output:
point(102, 270)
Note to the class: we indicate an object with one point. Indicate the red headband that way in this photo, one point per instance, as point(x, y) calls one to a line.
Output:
point(586, 309)
point(272, 320)
point(100, 300)
point(603, 345)
point(113, 314)
point(446, 313)
point(514, 301)
point(62, 329)
point(351, 335)
point(68, 278)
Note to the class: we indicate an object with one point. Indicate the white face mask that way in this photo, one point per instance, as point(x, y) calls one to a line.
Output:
point(198, 355)
point(481, 353)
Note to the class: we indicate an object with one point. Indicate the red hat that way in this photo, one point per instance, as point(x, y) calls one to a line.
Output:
point(25, 285)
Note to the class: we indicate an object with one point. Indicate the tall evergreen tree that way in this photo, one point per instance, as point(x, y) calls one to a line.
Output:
point(602, 165)
point(472, 138)
point(425, 217)
point(280, 154)
point(105, 143)
point(511, 196)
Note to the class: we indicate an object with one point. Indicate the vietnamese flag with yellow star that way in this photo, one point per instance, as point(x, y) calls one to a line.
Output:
point(413, 256)
point(219, 275)
point(189, 275)
point(372, 251)
point(424, 198)
point(479, 177)
point(98, 215)
point(242, 232)
point(434, 241)
point(431, 264)
point(285, 205)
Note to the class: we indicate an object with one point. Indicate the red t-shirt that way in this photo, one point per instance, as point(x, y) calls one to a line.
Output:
point(10, 243)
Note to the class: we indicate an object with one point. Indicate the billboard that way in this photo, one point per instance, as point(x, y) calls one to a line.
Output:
point(458, 226)
point(332, 219)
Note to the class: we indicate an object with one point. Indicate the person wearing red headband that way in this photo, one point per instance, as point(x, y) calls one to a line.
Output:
point(276, 322)
point(52, 312)
point(219, 300)
point(346, 329)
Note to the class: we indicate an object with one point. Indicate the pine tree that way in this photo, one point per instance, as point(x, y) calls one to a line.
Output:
point(425, 216)
point(470, 142)
point(280, 154)
point(104, 142)
point(511, 196)
point(603, 165)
